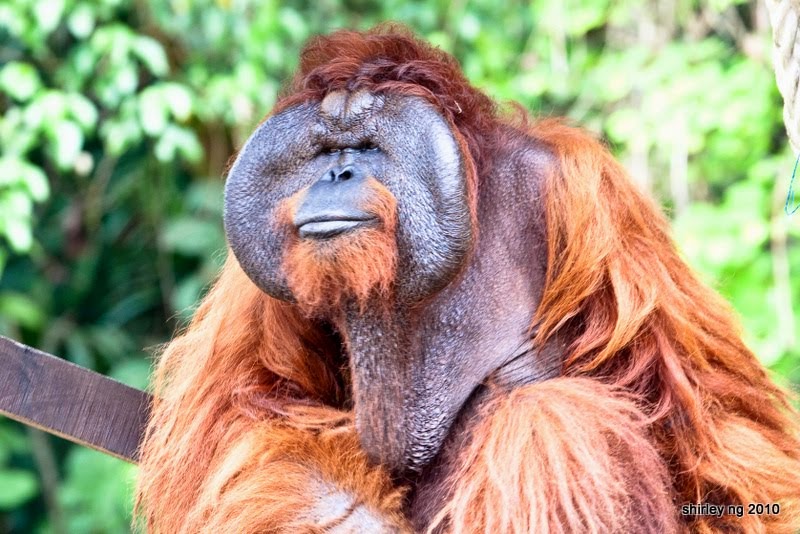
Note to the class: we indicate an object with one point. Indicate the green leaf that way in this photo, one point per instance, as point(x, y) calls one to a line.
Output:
point(10, 20)
point(19, 80)
point(81, 21)
point(22, 309)
point(16, 204)
point(35, 181)
point(293, 23)
point(176, 140)
point(179, 99)
point(624, 124)
point(83, 111)
point(721, 5)
point(185, 298)
point(18, 233)
point(118, 135)
point(48, 108)
point(48, 14)
point(470, 27)
point(152, 111)
point(97, 492)
point(192, 236)
point(12, 439)
point(126, 79)
point(16, 487)
point(152, 55)
point(135, 373)
point(68, 141)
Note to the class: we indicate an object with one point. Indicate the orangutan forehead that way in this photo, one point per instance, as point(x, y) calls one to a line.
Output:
point(351, 119)
point(346, 110)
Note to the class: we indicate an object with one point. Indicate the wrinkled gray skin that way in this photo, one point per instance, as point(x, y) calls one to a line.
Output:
point(464, 306)
point(416, 159)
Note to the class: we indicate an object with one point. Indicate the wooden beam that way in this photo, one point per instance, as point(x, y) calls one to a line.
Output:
point(67, 400)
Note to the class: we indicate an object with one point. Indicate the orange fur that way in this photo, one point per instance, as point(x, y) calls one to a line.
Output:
point(214, 436)
point(639, 319)
point(251, 401)
point(273, 472)
point(564, 455)
point(357, 265)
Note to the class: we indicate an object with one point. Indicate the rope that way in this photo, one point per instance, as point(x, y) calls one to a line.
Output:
point(784, 16)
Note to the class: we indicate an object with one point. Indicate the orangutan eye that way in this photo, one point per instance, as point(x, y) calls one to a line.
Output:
point(367, 146)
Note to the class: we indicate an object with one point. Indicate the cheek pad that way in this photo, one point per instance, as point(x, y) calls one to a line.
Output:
point(423, 168)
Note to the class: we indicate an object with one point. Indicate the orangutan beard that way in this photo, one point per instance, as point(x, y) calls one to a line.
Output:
point(358, 266)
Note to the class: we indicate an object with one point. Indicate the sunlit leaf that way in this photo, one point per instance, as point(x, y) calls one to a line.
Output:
point(152, 111)
point(152, 54)
point(68, 141)
point(16, 203)
point(294, 23)
point(46, 109)
point(19, 80)
point(15, 171)
point(18, 233)
point(126, 79)
point(81, 21)
point(177, 141)
point(16, 487)
point(469, 27)
point(21, 309)
point(48, 14)
point(83, 110)
point(179, 100)
point(10, 20)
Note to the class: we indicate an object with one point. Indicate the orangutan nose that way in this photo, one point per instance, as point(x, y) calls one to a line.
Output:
point(333, 205)
point(340, 174)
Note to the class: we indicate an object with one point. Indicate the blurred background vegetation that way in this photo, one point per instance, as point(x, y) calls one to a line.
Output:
point(118, 117)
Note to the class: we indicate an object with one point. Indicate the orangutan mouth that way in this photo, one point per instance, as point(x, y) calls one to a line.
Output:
point(326, 227)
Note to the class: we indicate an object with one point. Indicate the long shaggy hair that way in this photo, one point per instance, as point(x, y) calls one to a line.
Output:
point(585, 435)
point(660, 402)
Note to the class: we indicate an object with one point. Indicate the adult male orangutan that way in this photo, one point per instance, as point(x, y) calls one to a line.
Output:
point(437, 316)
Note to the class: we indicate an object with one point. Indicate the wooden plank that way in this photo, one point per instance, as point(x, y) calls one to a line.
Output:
point(67, 400)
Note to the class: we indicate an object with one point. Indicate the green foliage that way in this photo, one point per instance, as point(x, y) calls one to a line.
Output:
point(117, 120)
point(17, 486)
point(96, 493)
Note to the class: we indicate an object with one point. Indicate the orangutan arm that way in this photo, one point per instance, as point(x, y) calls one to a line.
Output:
point(568, 455)
point(275, 478)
